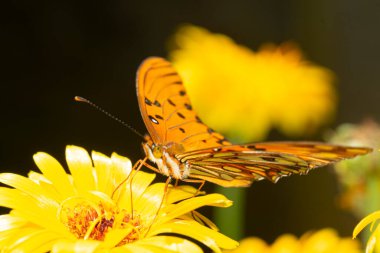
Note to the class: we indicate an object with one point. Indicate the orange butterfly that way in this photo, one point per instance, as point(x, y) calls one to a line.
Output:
point(186, 149)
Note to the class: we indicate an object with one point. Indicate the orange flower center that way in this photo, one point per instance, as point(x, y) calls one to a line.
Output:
point(89, 221)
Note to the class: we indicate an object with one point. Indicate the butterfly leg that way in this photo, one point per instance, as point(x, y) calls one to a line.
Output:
point(162, 201)
point(151, 167)
point(135, 168)
point(202, 182)
point(138, 165)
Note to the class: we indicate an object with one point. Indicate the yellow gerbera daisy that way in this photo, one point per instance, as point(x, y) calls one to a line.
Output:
point(322, 241)
point(244, 94)
point(87, 212)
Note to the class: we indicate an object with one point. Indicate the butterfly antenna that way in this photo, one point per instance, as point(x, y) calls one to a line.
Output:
point(84, 100)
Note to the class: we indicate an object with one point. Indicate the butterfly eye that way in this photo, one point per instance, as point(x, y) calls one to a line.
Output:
point(157, 151)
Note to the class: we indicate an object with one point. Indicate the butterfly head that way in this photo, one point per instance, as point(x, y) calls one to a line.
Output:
point(157, 151)
point(152, 150)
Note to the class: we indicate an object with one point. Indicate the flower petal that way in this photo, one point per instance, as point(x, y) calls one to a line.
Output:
point(171, 243)
point(121, 168)
point(80, 166)
point(139, 183)
point(115, 236)
point(364, 222)
point(37, 241)
point(179, 193)
point(38, 212)
point(191, 204)
point(133, 247)
point(212, 239)
point(80, 246)
point(55, 173)
point(103, 178)
point(8, 222)
point(25, 185)
point(149, 202)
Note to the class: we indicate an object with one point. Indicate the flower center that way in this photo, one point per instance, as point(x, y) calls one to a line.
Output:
point(92, 221)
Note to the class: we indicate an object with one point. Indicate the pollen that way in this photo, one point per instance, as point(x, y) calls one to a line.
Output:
point(89, 221)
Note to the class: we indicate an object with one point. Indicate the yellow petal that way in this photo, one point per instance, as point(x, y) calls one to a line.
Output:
point(25, 185)
point(203, 220)
point(211, 238)
point(102, 165)
point(371, 244)
point(79, 246)
point(80, 166)
point(8, 222)
point(40, 212)
point(54, 172)
point(171, 243)
point(364, 222)
point(133, 247)
point(149, 202)
point(122, 166)
point(49, 190)
point(179, 193)
point(115, 236)
point(139, 183)
point(251, 245)
point(34, 242)
point(191, 204)
point(13, 236)
point(348, 246)
point(286, 244)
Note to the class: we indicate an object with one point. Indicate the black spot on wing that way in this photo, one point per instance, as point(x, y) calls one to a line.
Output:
point(222, 141)
point(156, 103)
point(159, 116)
point(171, 102)
point(180, 115)
point(252, 146)
point(181, 129)
point(188, 107)
point(148, 102)
point(153, 119)
point(269, 159)
point(182, 93)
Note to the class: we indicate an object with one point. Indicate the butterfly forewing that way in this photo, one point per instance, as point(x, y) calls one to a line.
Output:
point(166, 108)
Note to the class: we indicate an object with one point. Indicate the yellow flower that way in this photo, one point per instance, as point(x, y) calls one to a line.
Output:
point(322, 241)
point(87, 211)
point(244, 94)
point(372, 243)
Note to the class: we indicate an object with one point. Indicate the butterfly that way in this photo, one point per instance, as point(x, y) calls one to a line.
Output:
point(184, 148)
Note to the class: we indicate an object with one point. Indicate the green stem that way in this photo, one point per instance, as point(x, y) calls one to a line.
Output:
point(231, 220)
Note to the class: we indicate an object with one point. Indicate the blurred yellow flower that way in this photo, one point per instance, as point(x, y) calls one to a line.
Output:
point(244, 94)
point(322, 241)
point(360, 177)
point(83, 212)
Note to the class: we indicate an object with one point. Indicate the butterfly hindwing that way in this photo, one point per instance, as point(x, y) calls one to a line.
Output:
point(239, 165)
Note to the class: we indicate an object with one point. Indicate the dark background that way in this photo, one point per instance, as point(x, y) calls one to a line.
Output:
point(54, 50)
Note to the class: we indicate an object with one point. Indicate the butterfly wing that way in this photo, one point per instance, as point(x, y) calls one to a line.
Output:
point(239, 165)
point(166, 108)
